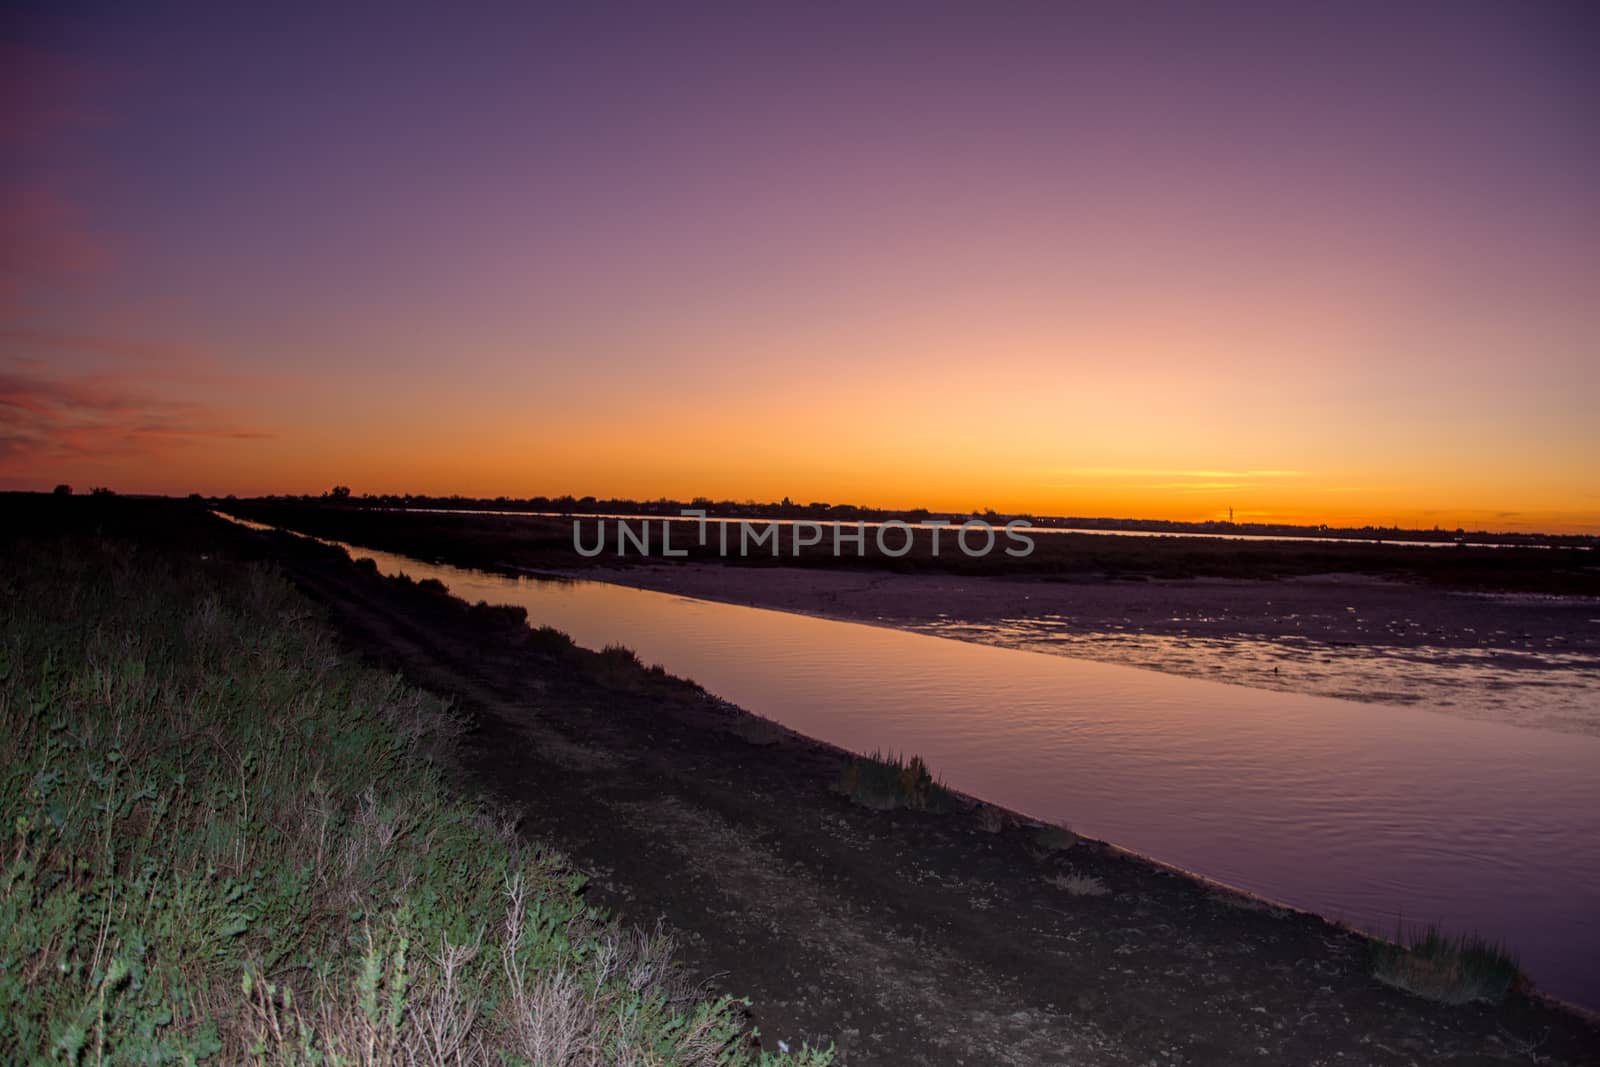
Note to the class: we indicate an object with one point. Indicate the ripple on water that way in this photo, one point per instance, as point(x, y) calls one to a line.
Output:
point(1546, 689)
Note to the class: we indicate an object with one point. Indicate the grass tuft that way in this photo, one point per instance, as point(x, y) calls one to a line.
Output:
point(889, 781)
point(1445, 969)
point(1079, 885)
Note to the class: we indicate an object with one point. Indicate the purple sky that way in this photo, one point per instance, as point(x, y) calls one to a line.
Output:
point(513, 251)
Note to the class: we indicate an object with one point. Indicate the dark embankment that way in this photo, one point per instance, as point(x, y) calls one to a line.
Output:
point(227, 841)
point(536, 543)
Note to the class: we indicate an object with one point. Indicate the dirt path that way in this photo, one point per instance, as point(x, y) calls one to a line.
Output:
point(901, 937)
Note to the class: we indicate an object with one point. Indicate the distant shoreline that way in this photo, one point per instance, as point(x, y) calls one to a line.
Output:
point(521, 542)
point(568, 508)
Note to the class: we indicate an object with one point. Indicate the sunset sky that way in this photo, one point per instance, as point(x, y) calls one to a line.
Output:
point(1312, 262)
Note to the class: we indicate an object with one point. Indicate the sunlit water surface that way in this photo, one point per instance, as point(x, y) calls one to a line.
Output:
point(1371, 813)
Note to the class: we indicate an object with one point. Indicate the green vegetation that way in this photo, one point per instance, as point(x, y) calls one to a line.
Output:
point(884, 782)
point(226, 843)
point(1449, 970)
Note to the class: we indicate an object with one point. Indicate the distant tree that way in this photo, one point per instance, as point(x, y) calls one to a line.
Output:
point(101, 490)
point(340, 492)
point(63, 489)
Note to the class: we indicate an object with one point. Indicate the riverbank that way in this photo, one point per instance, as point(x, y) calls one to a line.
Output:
point(905, 936)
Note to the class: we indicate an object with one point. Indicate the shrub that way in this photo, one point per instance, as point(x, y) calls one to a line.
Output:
point(550, 640)
point(616, 667)
point(491, 617)
point(884, 782)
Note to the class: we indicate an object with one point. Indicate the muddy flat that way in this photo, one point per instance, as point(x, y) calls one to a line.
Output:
point(1346, 608)
point(969, 936)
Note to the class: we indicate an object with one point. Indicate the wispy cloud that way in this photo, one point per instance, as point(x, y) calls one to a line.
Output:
point(52, 417)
